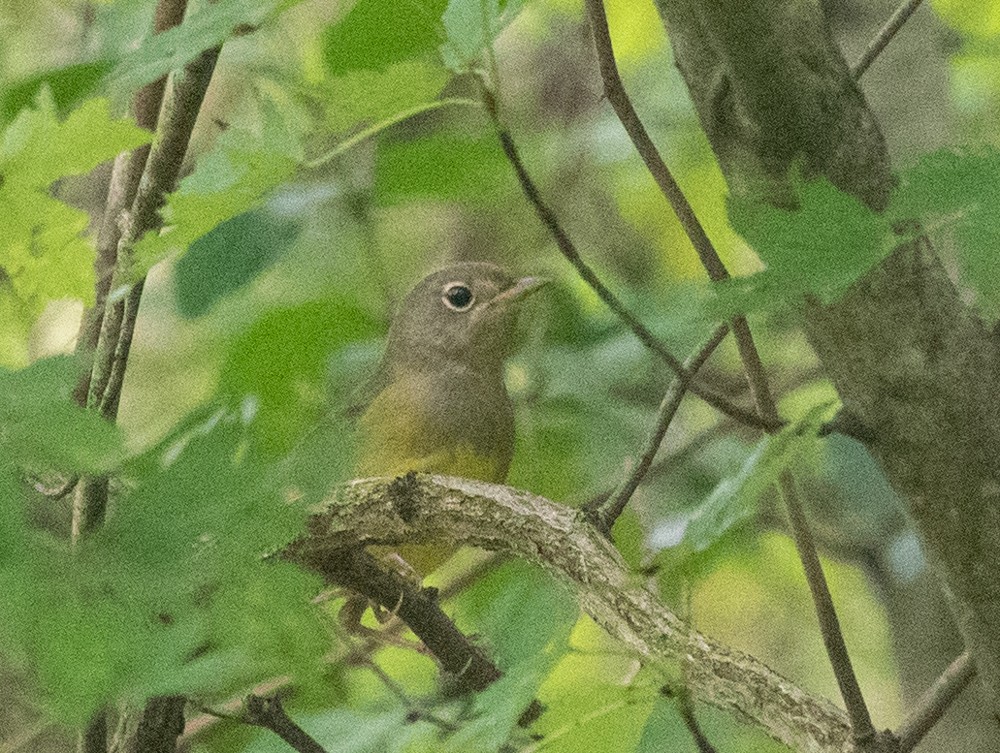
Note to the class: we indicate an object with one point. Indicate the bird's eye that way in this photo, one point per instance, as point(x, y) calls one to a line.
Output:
point(458, 297)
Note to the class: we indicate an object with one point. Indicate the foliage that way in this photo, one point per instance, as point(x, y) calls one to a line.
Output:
point(311, 200)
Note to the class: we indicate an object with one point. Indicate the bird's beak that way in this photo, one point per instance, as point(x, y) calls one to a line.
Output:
point(520, 289)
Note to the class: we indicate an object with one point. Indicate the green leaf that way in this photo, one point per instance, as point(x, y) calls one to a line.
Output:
point(471, 26)
point(525, 617)
point(378, 33)
point(172, 594)
point(42, 253)
point(442, 167)
point(817, 249)
point(235, 177)
point(229, 256)
point(734, 499)
point(67, 86)
point(276, 370)
point(371, 95)
point(210, 25)
point(959, 191)
point(43, 429)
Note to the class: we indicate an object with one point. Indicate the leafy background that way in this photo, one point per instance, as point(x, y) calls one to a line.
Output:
point(340, 155)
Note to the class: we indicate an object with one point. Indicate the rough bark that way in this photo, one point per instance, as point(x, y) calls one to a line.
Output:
point(908, 357)
point(498, 518)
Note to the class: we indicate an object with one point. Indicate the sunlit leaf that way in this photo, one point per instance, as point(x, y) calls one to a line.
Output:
point(378, 33)
point(819, 248)
point(209, 25)
point(67, 86)
point(371, 95)
point(42, 253)
point(735, 499)
point(958, 191)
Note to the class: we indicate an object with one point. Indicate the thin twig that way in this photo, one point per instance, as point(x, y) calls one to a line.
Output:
point(269, 714)
point(614, 90)
point(568, 250)
point(685, 707)
point(394, 119)
point(611, 509)
point(415, 711)
point(829, 625)
point(885, 35)
point(935, 701)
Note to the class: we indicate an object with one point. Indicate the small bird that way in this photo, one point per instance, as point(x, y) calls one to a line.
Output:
point(438, 399)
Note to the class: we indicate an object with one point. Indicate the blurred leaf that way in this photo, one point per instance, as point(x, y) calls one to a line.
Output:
point(471, 26)
point(377, 33)
point(526, 617)
point(42, 428)
point(441, 167)
point(735, 499)
point(818, 249)
point(228, 257)
point(42, 254)
point(347, 731)
point(232, 179)
point(210, 25)
point(960, 191)
point(366, 95)
point(979, 20)
point(276, 369)
point(172, 595)
point(66, 86)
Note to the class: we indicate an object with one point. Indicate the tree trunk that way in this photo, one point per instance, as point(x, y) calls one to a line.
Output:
point(907, 356)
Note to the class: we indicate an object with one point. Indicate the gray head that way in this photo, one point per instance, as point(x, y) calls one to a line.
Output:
point(463, 314)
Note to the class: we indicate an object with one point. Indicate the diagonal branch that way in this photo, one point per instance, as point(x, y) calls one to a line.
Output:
point(935, 701)
point(608, 512)
point(270, 714)
point(885, 35)
point(499, 518)
point(569, 250)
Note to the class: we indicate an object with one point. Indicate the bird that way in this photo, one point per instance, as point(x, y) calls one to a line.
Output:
point(437, 402)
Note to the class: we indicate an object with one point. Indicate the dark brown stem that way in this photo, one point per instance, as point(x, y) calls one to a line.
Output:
point(829, 625)
point(935, 701)
point(614, 90)
point(610, 510)
point(94, 738)
point(568, 250)
point(885, 35)
point(358, 571)
point(685, 707)
point(269, 714)
point(161, 723)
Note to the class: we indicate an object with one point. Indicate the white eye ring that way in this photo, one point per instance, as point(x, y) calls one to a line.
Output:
point(458, 297)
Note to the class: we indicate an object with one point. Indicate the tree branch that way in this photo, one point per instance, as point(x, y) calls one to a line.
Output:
point(608, 512)
point(569, 250)
point(885, 35)
point(125, 176)
point(354, 568)
point(935, 701)
point(499, 518)
point(269, 714)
